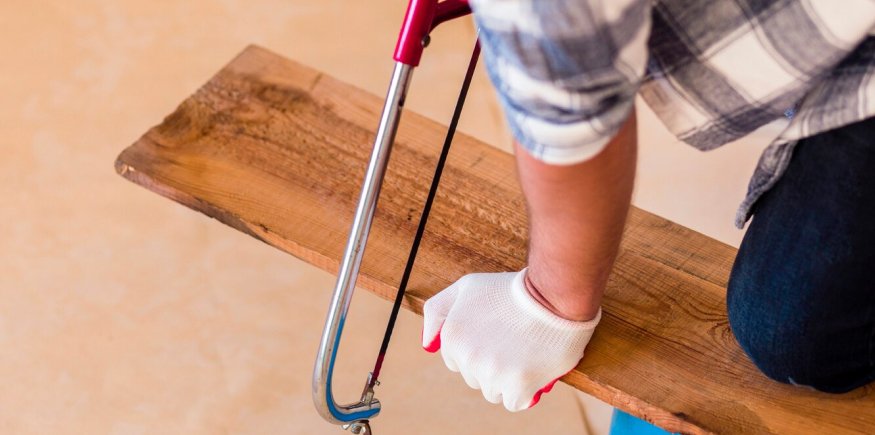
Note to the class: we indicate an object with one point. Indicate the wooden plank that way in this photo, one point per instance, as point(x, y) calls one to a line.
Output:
point(278, 150)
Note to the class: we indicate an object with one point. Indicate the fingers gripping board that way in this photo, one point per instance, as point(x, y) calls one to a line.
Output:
point(277, 150)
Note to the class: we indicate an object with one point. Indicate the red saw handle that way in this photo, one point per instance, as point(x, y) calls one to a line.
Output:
point(423, 16)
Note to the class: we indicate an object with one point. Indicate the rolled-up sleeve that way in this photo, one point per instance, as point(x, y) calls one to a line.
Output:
point(566, 71)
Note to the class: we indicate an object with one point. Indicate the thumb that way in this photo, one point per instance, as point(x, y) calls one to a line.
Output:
point(434, 312)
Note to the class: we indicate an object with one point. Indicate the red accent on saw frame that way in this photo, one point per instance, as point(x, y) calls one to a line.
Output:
point(421, 18)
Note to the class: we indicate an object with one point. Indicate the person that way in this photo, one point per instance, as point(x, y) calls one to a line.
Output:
point(800, 298)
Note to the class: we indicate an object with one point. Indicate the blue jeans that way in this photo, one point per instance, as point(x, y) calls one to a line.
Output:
point(801, 296)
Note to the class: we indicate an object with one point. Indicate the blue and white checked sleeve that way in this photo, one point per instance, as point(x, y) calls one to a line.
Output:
point(566, 71)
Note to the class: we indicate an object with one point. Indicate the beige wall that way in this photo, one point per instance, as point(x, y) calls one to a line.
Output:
point(123, 313)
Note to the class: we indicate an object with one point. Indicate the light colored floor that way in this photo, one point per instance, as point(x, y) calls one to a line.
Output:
point(125, 313)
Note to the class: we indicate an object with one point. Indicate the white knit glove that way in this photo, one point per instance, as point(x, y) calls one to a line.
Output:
point(502, 340)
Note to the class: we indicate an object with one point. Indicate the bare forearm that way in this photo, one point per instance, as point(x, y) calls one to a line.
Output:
point(576, 219)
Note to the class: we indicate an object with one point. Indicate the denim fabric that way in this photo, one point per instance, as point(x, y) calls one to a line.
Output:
point(801, 297)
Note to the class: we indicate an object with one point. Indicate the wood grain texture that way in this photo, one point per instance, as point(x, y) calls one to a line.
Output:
point(278, 150)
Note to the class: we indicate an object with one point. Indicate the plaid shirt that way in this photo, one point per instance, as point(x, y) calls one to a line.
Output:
point(567, 71)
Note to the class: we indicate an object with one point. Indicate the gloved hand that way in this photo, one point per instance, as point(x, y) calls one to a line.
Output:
point(489, 328)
